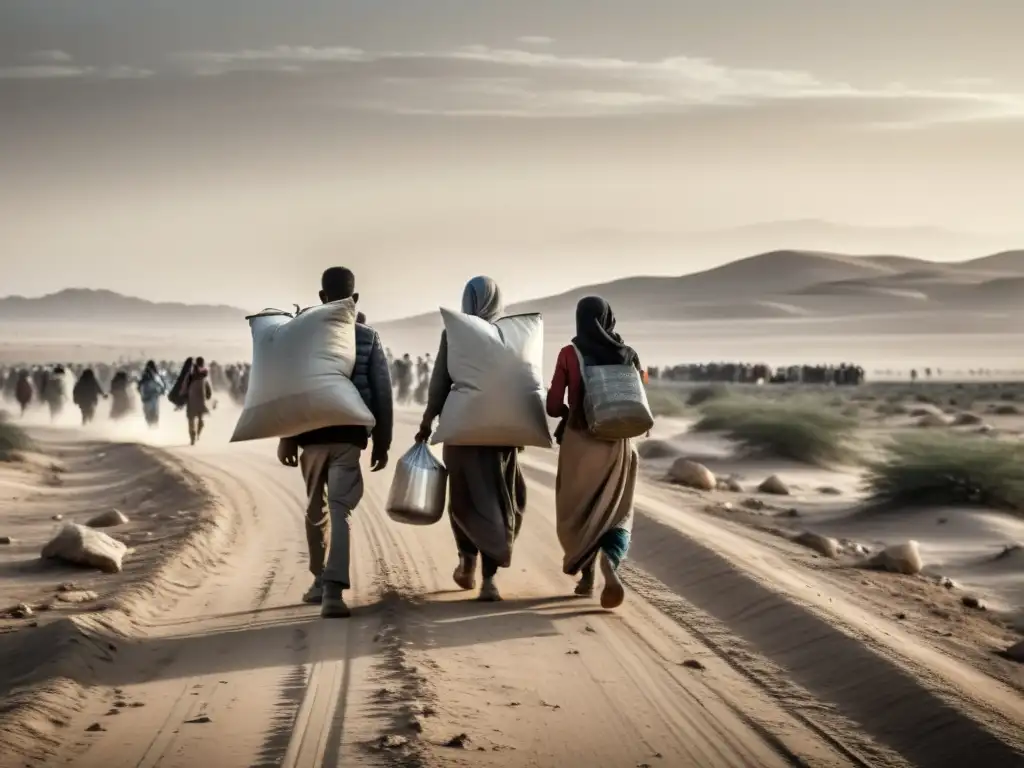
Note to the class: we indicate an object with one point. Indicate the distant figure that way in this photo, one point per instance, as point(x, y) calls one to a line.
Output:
point(86, 395)
point(422, 380)
point(23, 390)
point(405, 372)
point(55, 392)
point(197, 392)
point(151, 388)
point(121, 403)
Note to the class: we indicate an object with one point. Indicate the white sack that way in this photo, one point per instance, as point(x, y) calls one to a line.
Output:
point(498, 396)
point(300, 376)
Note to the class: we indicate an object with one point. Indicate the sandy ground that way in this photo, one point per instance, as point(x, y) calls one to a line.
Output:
point(734, 648)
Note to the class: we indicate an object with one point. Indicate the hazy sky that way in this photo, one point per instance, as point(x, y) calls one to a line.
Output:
point(228, 150)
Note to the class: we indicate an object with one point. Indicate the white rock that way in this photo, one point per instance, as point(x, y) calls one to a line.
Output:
point(692, 475)
point(899, 558)
point(84, 546)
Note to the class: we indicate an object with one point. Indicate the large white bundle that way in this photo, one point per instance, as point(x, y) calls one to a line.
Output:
point(497, 395)
point(300, 376)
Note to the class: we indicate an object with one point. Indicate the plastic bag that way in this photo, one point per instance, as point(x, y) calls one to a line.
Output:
point(419, 488)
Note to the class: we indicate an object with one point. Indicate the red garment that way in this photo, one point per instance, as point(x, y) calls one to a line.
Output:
point(567, 379)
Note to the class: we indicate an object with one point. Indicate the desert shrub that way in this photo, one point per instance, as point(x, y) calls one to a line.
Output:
point(700, 395)
point(666, 401)
point(892, 409)
point(804, 430)
point(944, 468)
point(12, 438)
point(1006, 410)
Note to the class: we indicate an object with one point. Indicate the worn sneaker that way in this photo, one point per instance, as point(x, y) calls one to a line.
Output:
point(315, 594)
point(333, 605)
point(613, 593)
point(465, 572)
point(489, 592)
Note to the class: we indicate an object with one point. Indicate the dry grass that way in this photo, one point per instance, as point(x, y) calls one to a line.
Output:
point(941, 468)
point(12, 438)
point(799, 429)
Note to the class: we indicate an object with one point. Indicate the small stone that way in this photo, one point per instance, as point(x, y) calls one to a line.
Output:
point(95, 728)
point(899, 558)
point(200, 720)
point(901, 616)
point(970, 601)
point(392, 741)
point(461, 741)
point(22, 611)
point(828, 490)
point(6, 540)
point(823, 545)
point(57, 517)
point(78, 596)
point(755, 505)
point(774, 486)
point(694, 664)
point(692, 475)
point(108, 519)
point(572, 652)
point(1015, 652)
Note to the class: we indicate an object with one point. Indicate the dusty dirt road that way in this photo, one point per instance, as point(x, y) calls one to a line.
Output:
point(714, 660)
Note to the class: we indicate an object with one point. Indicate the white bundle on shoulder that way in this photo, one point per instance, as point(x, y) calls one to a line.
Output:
point(300, 378)
point(497, 395)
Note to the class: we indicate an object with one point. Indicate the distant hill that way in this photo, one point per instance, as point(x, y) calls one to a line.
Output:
point(81, 304)
point(782, 284)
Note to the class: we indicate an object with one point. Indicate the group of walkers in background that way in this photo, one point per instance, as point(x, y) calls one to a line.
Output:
point(844, 374)
point(192, 390)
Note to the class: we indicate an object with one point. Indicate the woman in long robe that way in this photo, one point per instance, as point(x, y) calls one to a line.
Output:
point(596, 478)
point(486, 489)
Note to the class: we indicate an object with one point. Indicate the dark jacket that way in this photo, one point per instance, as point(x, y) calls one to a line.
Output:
point(372, 379)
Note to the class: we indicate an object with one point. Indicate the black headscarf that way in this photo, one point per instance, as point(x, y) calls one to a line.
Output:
point(595, 336)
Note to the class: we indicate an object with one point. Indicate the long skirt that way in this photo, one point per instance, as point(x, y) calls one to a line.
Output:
point(594, 498)
point(486, 498)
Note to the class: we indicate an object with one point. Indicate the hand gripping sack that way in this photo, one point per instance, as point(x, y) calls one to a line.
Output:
point(300, 375)
point(497, 395)
point(614, 401)
point(418, 489)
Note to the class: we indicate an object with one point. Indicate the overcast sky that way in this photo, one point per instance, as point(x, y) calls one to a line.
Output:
point(228, 150)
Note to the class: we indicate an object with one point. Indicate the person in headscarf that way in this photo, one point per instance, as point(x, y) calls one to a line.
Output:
point(55, 393)
point(486, 488)
point(151, 388)
point(86, 395)
point(121, 403)
point(23, 390)
point(596, 478)
point(197, 392)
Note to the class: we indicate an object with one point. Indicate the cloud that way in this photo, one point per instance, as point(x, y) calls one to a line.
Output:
point(534, 81)
point(53, 57)
point(58, 65)
point(535, 40)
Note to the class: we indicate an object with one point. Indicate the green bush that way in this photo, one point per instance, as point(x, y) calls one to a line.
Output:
point(705, 393)
point(800, 429)
point(12, 438)
point(943, 468)
point(666, 401)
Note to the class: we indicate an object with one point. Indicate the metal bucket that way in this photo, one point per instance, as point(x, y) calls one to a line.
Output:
point(418, 489)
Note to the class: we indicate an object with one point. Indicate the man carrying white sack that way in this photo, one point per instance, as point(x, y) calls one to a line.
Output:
point(330, 460)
